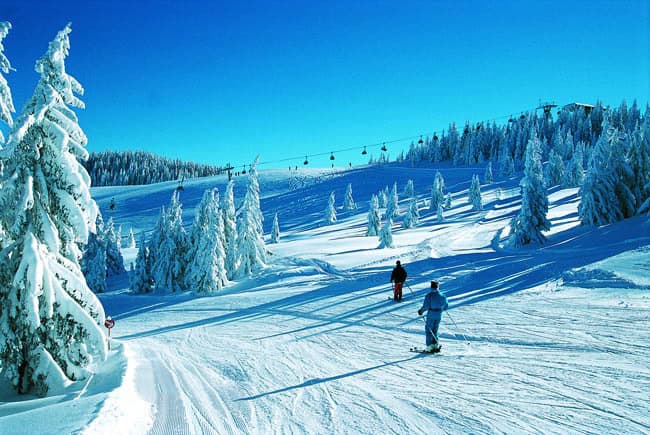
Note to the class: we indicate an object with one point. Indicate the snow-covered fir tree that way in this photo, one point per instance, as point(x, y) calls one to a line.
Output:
point(6, 101)
point(118, 236)
point(374, 220)
point(93, 262)
point(386, 234)
point(409, 190)
point(448, 201)
point(142, 279)
point(639, 159)
point(437, 191)
point(555, 169)
point(114, 259)
point(392, 204)
point(251, 251)
point(170, 244)
point(275, 229)
point(475, 194)
point(382, 197)
point(574, 173)
point(131, 239)
point(507, 166)
point(330, 211)
point(50, 322)
point(412, 215)
point(230, 230)
point(348, 201)
point(206, 271)
point(605, 195)
point(528, 225)
point(439, 214)
point(488, 177)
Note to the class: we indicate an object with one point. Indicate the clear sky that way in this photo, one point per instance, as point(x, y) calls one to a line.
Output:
point(213, 81)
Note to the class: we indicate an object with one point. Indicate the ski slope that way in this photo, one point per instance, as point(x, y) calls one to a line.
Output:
point(545, 340)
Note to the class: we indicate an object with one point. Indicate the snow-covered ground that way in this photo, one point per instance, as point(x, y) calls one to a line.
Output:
point(545, 340)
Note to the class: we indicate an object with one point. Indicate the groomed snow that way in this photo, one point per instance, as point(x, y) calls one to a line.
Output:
point(538, 340)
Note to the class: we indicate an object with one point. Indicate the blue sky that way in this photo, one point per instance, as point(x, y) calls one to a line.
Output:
point(224, 81)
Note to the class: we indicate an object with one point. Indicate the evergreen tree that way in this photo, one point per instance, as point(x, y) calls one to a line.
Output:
point(50, 322)
point(391, 204)
point(382, 197)
point(171, 245)
point(230, 230)
point(93, 262)
point(6, 102)
point(412, 216)
point(528, 225)
point(251, 251)
point(555, 170)
point(488, 177)
point(439, 214)
point(275, 230)
point(475, 194)
point(574, 173)
point(639, 158)
point(386, 234)
point(206, 271)
point(348, 201)
point(448, 201)
point(409, 190)
point(131, 238)
point(330, 211)
point(437, 191)
point(142, 278)
point(507, 167)
point(114, 259)
point(605, 195)
point(374, 220)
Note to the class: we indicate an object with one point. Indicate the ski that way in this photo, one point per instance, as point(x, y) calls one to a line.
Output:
point(419, 350)
point(390, 298)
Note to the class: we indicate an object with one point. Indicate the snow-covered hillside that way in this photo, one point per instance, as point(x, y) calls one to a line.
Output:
point(550, 339)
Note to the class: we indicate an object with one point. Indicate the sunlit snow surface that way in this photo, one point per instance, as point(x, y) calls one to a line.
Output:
point(550, 339)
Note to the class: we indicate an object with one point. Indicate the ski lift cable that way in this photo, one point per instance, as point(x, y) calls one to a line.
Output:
point(379, 144)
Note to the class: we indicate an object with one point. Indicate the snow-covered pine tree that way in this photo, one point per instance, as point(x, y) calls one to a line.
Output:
point(475, 194)
point(374, 220)
point(528, 225)
point(170, 259)
point(437, 191)
point(348, 201)
point(488, 177)
point(409, 190)
point(206, 271)
point(251, 251)
point(412, 215)
point(392, 203)
point(386, 234)
point(574, 173)
point(50, 322)
point(448, 201)
point(639, 159)
point(555, 169)
point(604, 195)
point(230, 230)
point(439, 214)
point(275, 229)
point(114, 259)
point(330, 211)
point(131, 239)
point(382, 197)
point(142, 278)
point(118, 237)
point(93, 262)
point(6, 102)
point(507, 166)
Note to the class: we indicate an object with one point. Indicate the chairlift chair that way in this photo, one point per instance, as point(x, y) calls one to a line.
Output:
point(420, 142)
point(331, 156)
point(306, 162)
point(383, 147)
point(364, 152)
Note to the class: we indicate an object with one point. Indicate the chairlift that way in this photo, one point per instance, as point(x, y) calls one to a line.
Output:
point(112, 206)
point(511, 119)
point(478, 127)
point(331, 156)
point(435, 136)
point(522, 116)
point(383, 147)
point(364, 152)
point(243, 170)
point(420, 142)
point(306, 162)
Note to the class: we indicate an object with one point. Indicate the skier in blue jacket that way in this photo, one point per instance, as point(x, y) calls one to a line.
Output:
point(434, 304)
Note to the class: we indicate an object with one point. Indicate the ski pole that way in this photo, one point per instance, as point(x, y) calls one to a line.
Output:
point(457, 328)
